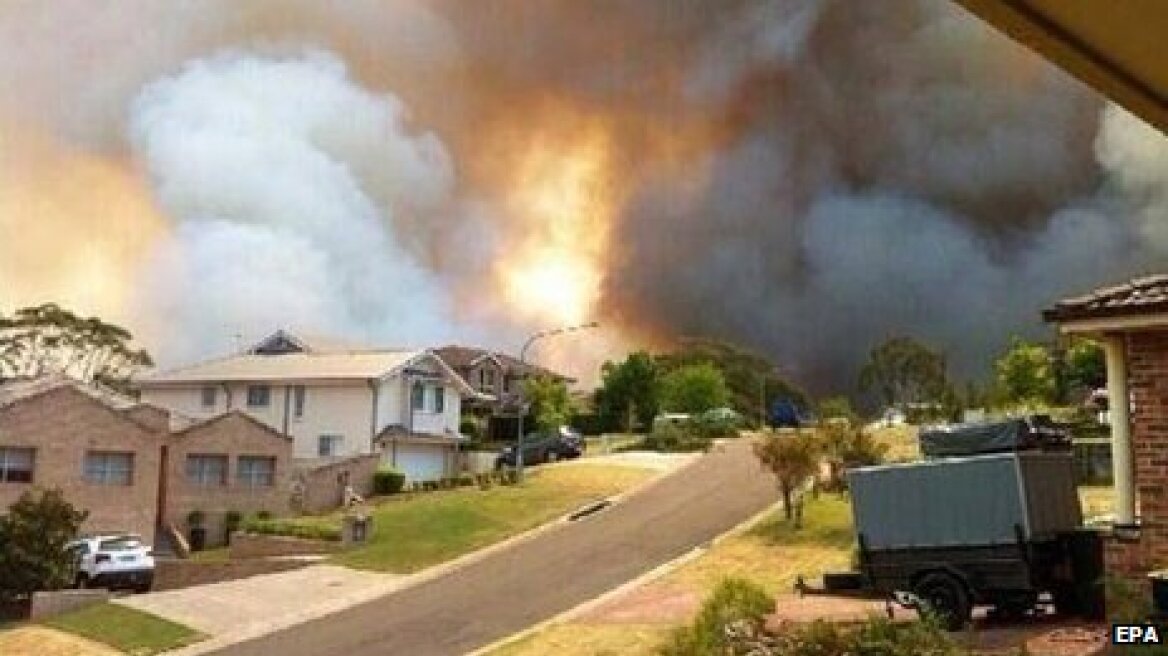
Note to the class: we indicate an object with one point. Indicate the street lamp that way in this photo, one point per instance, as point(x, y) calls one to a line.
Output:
point(523, 364)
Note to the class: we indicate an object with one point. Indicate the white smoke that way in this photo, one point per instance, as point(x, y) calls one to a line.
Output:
point(266, 165)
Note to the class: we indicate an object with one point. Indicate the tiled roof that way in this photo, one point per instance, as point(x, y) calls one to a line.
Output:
point(461, 357)
point(1137, 297)
point(23, 388)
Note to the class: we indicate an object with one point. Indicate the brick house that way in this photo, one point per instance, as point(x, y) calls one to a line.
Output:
point(1130, 320)
point(133, 466)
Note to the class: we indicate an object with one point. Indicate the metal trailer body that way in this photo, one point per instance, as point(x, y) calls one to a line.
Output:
point(997, 529)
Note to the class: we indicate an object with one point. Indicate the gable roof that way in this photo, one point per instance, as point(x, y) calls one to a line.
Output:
point(1137, 297)
point(463, 357)
point(232, 414)
point(283, 356)
point(20, 389)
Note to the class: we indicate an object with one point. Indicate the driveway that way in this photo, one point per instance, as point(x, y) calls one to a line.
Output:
point(534, 580)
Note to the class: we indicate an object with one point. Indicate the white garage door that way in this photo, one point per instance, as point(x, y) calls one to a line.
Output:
point(421, 462)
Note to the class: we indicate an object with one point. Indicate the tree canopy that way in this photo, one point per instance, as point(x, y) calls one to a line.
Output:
point(792, 459)
point(48, 338)
point(629, 388)
point(694, 388)
point(753, 381)
point(551, 405)
point(1025, 374)
point(903, 371)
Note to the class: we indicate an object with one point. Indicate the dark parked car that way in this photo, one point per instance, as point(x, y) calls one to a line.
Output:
point(539, 448)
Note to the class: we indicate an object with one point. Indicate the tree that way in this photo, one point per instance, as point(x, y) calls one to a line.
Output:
point(792, 459)
point(34, 534)
point(903, 371)
point(629, 389)
point(551, 405)
point(47, 338)
point(1025, 374)
point(838, 407)
point(847, 446)
point(1084, 365)
point(694, 388)
point(753, 381)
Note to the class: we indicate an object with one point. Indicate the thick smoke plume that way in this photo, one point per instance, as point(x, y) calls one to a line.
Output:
point(804, 177)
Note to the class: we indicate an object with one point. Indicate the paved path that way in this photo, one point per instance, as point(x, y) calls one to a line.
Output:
point(514, 588)
point(246, 606)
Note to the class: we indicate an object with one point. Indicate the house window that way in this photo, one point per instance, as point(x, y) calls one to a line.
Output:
point(298, 396)
point(16, 464)
point(329, 445)
point(439, 399)
point(256, 471)
point(207, 470)
point(418, 397)
point(209, 394)
point(109, 468)
point(490, 378)
point(259, 396)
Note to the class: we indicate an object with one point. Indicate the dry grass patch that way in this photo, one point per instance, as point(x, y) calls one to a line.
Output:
point(590, 640)
point(41, 641)
point(901, 440)
point(774, 553)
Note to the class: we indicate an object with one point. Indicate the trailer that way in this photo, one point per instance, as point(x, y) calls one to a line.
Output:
point(1000, 528)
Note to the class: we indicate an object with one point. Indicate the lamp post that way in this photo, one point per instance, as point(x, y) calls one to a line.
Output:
point(523, 363)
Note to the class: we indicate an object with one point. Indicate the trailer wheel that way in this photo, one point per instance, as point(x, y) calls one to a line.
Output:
point(946, 598)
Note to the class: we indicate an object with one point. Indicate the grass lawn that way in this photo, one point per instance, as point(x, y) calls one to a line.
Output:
point(610, 443)
point(413, 531)
point(125, 629)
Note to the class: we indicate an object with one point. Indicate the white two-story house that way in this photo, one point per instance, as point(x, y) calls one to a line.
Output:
point(333, 400)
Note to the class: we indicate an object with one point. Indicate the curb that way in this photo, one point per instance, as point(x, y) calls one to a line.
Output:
point(341, 604)
point(648, 577)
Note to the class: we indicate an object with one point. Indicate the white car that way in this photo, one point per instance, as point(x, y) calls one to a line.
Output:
point(112, 561)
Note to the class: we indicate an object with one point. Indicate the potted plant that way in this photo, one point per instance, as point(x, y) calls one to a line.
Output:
point(198, 532)
point(231, 523)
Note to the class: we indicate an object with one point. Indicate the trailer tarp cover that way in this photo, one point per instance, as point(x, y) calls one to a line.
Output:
point(1033, 432)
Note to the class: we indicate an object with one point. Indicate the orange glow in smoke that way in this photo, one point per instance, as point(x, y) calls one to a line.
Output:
point(561, 201)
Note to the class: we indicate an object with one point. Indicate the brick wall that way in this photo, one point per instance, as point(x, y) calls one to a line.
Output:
point(62, 425)
point(1147, 361)
point(322, 484)
point(231, 436)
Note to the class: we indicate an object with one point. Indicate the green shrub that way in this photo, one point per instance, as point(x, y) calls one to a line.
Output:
point(466, 480)
point(734, 601)
point(196, 518)
point(669, 437)
point(232, 519)
point(291, 528)
point(470, 428)
point(264, 515)
point(34, 533)
point(387, 480)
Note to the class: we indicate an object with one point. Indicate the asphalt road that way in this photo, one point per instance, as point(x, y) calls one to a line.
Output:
point(515, 588)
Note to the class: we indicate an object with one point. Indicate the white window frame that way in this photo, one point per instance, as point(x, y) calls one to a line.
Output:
point(9, 463)
point(439, 399)
point(336, 443)
point(299, 400)
point(261, 390)
point(417, 396)
point(199, 474)
point(99, 468)
point(247, 476)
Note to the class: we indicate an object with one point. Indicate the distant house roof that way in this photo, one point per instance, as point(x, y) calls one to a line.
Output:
point(1137, 297)
point(286, 357)
point(464, 357)
point(24, 388)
